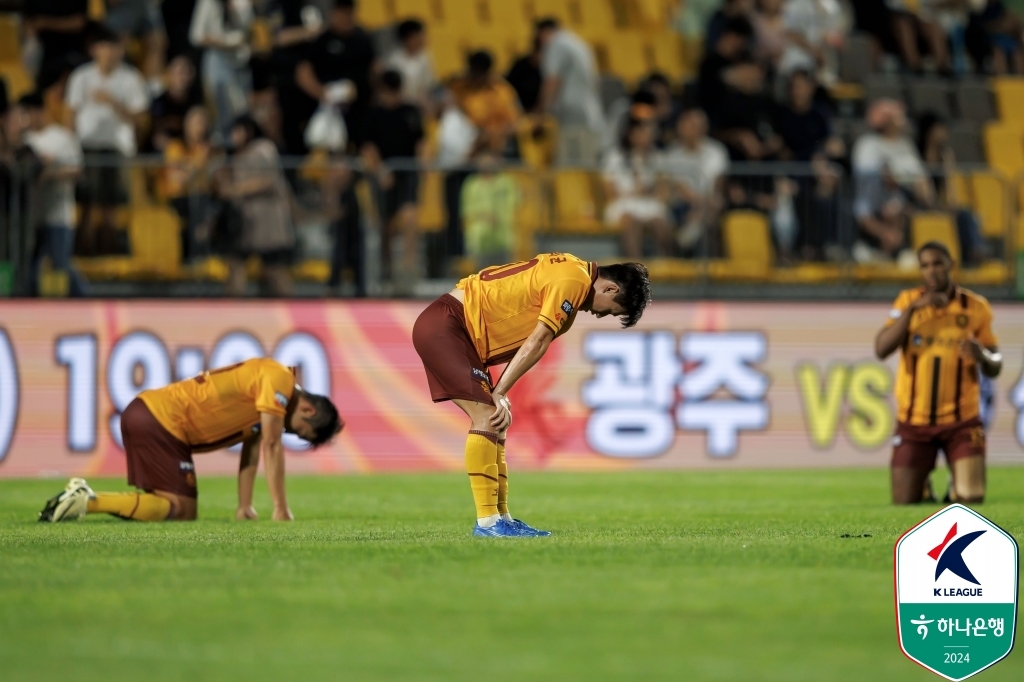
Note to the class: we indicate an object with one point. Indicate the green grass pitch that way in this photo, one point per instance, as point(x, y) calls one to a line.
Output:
point(740, 575)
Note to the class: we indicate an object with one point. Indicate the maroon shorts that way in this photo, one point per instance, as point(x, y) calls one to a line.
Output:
point(454, 369)
point(918, 446)
point(156, 459)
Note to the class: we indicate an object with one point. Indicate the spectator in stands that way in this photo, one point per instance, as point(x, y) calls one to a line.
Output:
point(731, 48)
point(140, 20)
point(805, 127)
point(59, 153)
point(394, 137)
point(694, 166)
point(814, 34)
point(260, 197)
point(730, 10)
point(630, 178)
point(488, 207)
point(743, 120)
point(58, 27)
point(938, 156)
point(891, 181)
point(997, 33)
point(297, 23)
point(220, 28)
point(107, 99)
point(666, 112)
point(185, 181)
point(177, 20)
point(912, 29)
point(770, 34)
point(167, 112)
point(526, 79)
point(412, 61)
point(570, 89)
point(344, 52)
point(488, 101)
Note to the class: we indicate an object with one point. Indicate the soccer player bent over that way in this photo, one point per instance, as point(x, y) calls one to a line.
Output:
point(511, 313)
point(252, 403)
point(945, 333)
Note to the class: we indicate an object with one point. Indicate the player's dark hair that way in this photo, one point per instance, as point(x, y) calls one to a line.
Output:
point(391, 80)
point(935, 246)
point(326, 423)
point(480, 63)
point(545, 24)
point(409, 28)
point(634, 288)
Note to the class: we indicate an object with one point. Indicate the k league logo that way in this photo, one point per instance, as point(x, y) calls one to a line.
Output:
point(956, 577)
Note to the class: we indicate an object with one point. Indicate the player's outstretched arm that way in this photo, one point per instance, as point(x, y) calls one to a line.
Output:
point(528, 355)
point(272, 449)
point(247, 467)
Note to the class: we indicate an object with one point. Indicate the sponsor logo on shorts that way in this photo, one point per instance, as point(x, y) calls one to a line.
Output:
point(190, 479)
point(487, 388)
point(897, 441)
point(186, 466)
point(481, 375)
point(281, 399)
point(567, 307)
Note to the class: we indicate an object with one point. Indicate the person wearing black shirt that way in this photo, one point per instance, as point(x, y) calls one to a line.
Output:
point(59, 25)
point(344, 52)
point(526, 79)
point(293, 36)
point(394, 132)
point(732, 47)
point(167, 111)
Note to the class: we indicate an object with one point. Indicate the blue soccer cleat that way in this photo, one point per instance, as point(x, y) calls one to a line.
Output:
point(498, 530)
point(525, 530)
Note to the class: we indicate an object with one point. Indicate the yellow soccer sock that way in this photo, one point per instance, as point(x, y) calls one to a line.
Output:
point(481, 458)
point(502, 479)
point(137, 506)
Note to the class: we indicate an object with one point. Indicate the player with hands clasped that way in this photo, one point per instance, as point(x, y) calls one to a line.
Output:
point(511, 313)
point(945, 334)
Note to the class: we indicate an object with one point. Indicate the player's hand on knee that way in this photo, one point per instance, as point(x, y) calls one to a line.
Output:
point(283, 514)
point(501, 419)
point(246, 514)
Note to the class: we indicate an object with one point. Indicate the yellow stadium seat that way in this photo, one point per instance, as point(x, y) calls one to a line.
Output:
point(667, 50)
point(748, 243)
point(958, 192)
point(576, 207)
point(938, 227)
point(9, 38)
point(376, 14)
point(510, 15)
point(654, 13)
point(1004, 149)
point(595, 15)
point(531, 213)
point(96, 10)
point(1009, 92)
point(424, 10)
point(542, 9)
point(312, 270)
point(627, 56)
point(537, 152)
point(18, 80)
point(447, 53)
point(431, 209)
point(990, 203)
point(155, 234)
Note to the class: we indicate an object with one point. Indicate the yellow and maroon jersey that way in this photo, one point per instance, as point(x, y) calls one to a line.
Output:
point(935, 384)
point(219, 408)
point(503, 304)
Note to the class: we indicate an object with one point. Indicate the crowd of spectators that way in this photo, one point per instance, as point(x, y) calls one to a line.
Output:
point(194, 82)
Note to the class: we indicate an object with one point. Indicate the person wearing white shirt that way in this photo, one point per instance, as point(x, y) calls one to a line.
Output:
point(412, 61)
point(220, 29)
point(570, 89)
point(694, 166)
point(53, 198)
point(107, 98)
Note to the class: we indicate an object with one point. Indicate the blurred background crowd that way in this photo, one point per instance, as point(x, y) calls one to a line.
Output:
point(375, 146)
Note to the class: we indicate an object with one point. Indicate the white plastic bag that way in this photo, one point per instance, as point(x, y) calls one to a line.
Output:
point(456, 136)
point(326, 129)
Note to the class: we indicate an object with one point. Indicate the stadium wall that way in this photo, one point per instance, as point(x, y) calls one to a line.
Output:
point(696, 384)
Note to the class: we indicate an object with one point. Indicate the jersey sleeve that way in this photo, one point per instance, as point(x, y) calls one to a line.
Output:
point(899, 306)
point(560, 299)
point(276, 387)
point(983, 332)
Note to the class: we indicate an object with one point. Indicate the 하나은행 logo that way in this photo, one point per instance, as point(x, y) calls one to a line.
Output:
point(955, 576)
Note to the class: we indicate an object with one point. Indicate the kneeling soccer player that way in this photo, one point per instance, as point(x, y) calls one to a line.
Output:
point(511, 313)
point(945, 334)
point(253, 403)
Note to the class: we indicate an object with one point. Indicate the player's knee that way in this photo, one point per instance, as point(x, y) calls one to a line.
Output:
point(970, 492)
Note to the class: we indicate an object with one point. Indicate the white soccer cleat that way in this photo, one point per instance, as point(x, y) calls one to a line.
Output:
point(70, 505)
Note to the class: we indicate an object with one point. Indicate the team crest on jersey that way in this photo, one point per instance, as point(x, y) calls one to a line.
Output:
point(961, 321)
point(917, 339)
point(281, 399)
point(567, 307)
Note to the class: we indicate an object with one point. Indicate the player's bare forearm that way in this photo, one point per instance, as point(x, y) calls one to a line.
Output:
point(528, 355)
point(889, 338)
point(272, 450)
point(247, 468)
